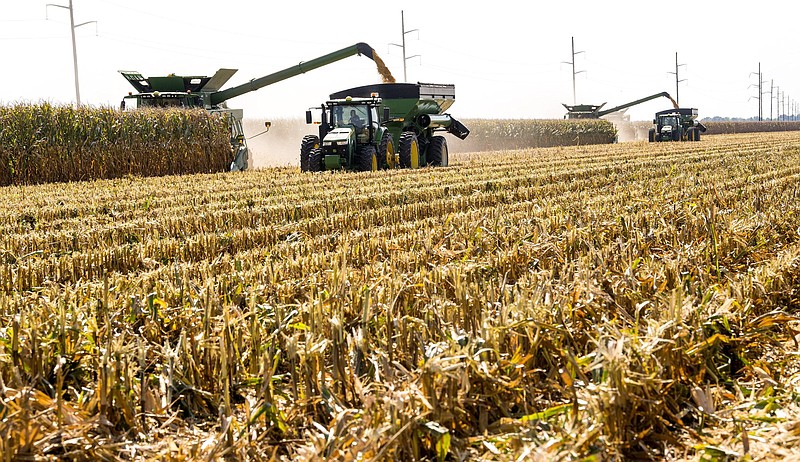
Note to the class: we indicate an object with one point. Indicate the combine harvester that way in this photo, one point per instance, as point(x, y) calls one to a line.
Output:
point(621, 121)
point(360, 126)
point(204, 92)
point(679, 124)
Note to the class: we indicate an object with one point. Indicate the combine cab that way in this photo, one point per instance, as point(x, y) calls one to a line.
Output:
point(405, 136)
point(678, 124)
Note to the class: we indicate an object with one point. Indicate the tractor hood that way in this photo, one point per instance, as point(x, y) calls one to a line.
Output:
point(338, 135)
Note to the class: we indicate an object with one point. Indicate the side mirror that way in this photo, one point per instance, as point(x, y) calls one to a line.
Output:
point(655, 122)
point(387, 114)
point(308, 117)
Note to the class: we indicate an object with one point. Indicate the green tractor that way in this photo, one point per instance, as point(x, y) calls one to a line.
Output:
point(391, 125)
point(678, 124)
point(352, 137)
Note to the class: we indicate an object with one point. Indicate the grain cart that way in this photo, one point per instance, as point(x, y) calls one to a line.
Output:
point(410, 116)
point(676, 125)
point(204, 92)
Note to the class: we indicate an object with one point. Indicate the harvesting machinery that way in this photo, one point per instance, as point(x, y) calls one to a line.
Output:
point(204, 92)
point(679, 124)
point(590, 111)
point(360, 126)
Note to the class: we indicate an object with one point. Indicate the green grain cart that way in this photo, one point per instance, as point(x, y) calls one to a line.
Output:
point(360, 126)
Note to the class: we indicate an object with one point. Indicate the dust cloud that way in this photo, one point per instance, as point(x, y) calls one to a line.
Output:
point(280, 146)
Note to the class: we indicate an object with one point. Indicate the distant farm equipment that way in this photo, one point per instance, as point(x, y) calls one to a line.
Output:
point(679, 124)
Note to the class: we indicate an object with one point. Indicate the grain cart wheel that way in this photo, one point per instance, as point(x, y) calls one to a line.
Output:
point(697, 134)
point(367, 159)
point(437, 152)
point(309, 143)
point(316, 160)
point(690, 134)
point(386, 151)
point(409, 150)
point(651, 135)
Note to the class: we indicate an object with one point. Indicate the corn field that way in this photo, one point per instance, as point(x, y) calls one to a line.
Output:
point(43, 143)
point(629, 301)
point(717, 128)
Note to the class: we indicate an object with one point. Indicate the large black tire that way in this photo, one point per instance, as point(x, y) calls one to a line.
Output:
point(386, 152)
point(366, 158)
point(316, 160)
point(309, 143)
point(697, 134)
point(677, 134)
point(438, 156)
point(651, 135)
point(409, 150)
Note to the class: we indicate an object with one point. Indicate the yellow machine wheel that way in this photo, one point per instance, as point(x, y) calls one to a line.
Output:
point(387, 153)
point(409, 150)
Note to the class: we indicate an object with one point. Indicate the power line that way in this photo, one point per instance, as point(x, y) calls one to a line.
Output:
point(403, 46)
point(73, 26)
point(574, 73)
point(677, 80)
point(760, 93)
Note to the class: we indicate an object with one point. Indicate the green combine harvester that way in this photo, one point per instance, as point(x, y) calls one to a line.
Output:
point(360, 126)
point(204, 92)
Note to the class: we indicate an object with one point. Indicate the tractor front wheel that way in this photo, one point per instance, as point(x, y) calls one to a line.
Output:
point(409, 150)
point(309, 143)
point(437, 152)
point(316, 160)
point(386, 151)
point(651, 135)
point(367, 159)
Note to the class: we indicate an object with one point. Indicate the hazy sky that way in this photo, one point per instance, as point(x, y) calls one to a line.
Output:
point(504, 57)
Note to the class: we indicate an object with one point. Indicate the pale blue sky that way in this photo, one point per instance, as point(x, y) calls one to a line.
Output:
point(504, 57)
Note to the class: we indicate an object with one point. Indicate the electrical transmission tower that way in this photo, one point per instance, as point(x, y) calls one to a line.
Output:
point(72, 27)
point(677, 80)
point(574, 72)
point(403, 44)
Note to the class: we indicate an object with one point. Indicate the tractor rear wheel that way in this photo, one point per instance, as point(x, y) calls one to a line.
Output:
point(316, 160)
point(677, 134)
point(367, 159)
point(651, 135)
point(309, 143)
point(438, 155)
point(409, 150)
point(386, 152)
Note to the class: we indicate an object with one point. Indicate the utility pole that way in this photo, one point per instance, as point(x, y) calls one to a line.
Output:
point(72, 27)
point(771, 87)
point(778, 103)
point(677, 79)
point(760, 93)
point(403, 45)
point(574, 73)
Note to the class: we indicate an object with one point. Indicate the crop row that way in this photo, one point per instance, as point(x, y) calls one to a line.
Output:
point(563, 301)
